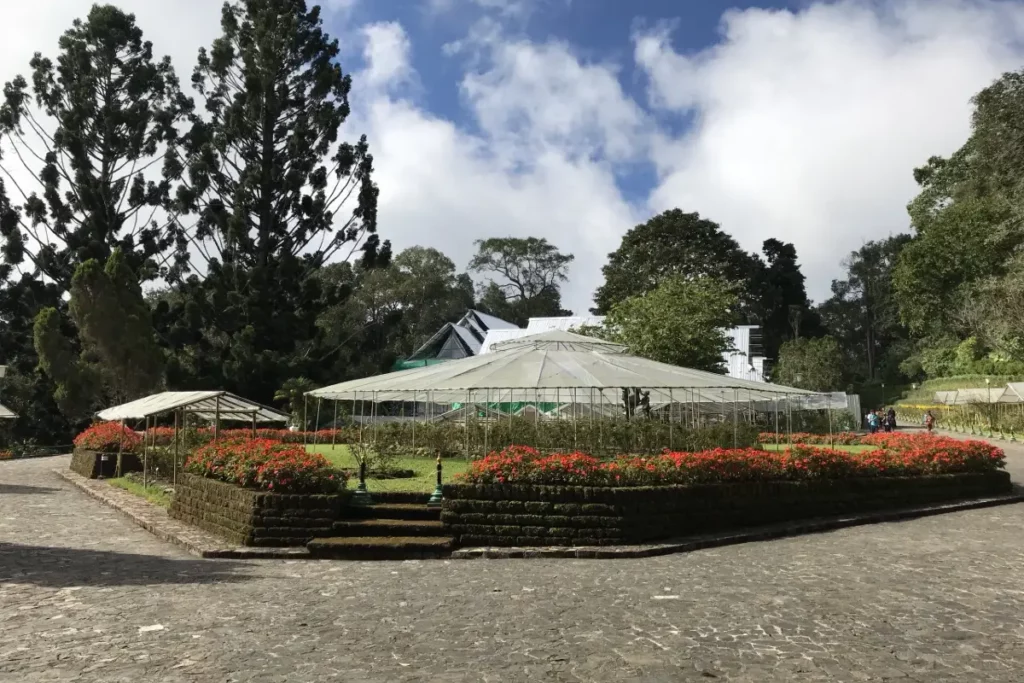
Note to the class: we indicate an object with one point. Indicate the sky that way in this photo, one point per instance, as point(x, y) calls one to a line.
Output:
point(575, 120)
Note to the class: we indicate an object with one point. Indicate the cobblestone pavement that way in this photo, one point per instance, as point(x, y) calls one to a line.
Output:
point(85, 595)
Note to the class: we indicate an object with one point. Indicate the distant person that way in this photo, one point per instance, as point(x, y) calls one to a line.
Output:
point(873, 422)
point(890, 420)
point(929, 421)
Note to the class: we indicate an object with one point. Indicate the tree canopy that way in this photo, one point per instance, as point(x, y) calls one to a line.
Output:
point(522, 277)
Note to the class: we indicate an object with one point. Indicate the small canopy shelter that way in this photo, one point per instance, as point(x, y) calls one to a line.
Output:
point(213, 406)
point(6, 413)
point(963, 397)
point(1013, 393)
point(207, 405)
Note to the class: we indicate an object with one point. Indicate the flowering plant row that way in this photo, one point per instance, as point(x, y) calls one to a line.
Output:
point(266, 465)
point(839, 438)
point(911, 456)
point(108, 437)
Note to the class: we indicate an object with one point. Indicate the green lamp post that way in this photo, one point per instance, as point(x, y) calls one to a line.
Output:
point(436, 496)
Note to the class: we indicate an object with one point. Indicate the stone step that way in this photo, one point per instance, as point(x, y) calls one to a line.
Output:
point(406, 497)
point(380, 547)
point(393, 511)
point(390, 527)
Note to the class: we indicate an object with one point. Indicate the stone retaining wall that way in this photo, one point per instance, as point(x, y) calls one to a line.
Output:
point(526, 515)
point(88, 463)
point(253, 518)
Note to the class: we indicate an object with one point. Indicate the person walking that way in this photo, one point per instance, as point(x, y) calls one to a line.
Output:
point(890, 419)
point(873, 422)
point(929, 421)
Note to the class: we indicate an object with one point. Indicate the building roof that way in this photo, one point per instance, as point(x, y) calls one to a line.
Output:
point(206, 404)
point(554, 366)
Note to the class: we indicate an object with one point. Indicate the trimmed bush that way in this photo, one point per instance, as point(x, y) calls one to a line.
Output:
point(266, 465)
point(897, 455)
point(108, 437)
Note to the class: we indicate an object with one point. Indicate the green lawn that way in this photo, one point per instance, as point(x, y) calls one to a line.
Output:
point(838, 447)
point(153, 494)
point(425, 468)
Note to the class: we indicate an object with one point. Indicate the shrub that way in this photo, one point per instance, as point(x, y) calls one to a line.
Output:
point(266, 465)
point(6, 455)
point(904, 455)
point(108, 437)
point(839, 438)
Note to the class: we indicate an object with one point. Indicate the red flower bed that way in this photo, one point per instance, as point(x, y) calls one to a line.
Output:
point(906, 456)
point(108, 437)
point(267, 465)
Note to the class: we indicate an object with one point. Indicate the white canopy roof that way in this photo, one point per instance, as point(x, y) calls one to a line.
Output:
point(6, 413)
point(553, 366)
point(963, 397)
point(206, 404)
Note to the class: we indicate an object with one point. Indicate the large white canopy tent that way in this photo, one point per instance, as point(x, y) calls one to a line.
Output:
point(209, 406)
point(567, 375)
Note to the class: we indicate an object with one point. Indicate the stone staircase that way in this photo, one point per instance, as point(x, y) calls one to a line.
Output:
point(396, 527)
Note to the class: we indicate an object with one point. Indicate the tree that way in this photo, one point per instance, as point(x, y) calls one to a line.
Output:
point(431, 293)
point(783, 309)
point(114, 323)
point(682, 322)
point(293, 394)
point(111, 115)
point(76, 382)
point(275, 195)
point(863, 315)
point(672, 243)
point(812, 364)
point(525, 275)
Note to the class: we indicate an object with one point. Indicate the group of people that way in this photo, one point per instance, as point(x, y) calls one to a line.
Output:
point(877, 420)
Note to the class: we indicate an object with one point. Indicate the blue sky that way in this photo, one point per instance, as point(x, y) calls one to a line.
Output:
point(576, 120)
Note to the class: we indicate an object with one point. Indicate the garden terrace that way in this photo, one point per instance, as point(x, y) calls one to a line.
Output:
point(519, 497)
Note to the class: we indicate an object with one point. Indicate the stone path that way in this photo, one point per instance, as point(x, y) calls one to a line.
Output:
point(86, 595)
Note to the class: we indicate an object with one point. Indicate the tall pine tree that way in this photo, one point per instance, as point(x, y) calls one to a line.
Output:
point(275, 195)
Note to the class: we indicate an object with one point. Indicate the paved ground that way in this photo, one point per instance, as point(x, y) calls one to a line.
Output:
point(87, 596)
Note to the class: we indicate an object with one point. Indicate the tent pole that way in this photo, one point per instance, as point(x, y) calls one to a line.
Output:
point(575, 436)
point(373, 409)
point(145, 455)
point(831, 441)
point(334, 426)
point(216, 419)
point(254, 424)
point(174, 471)
point(511, 409)
point(316, 426)
point(536, 419)
point(466, 419)
point(671, 403)
point(487, 417)
point(735, 425)
point(362, 407)
point(305, 417)
point(415, 406)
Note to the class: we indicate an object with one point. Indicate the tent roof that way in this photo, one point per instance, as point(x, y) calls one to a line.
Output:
point(6, 413)
point(553, 366)
point(202, 403)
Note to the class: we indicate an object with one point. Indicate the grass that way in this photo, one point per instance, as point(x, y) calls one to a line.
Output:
point(425, 469)
point(153, 494)
point(849, 448)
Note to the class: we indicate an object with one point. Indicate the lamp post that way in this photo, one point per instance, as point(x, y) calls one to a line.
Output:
point(883, 394)
point(988, 404)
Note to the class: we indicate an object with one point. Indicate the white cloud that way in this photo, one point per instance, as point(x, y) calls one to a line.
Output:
point(386, 54)
point(530, 169)
point(809, 124)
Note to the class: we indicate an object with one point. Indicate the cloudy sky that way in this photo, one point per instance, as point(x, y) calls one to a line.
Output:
point(576, 119)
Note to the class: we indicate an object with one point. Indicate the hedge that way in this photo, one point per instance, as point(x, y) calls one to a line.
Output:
point(254, 518)
point(536, 515)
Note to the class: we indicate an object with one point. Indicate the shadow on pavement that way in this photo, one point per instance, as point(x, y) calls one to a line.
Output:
point(20, 489)
point(65, 567)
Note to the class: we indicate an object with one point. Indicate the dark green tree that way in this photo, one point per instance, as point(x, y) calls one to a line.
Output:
point(114, 324)
point(107, 114)
point(863, 313)
point(672, 243)
point(783, 310)
point(276, 195)
point(77, 383)
point(812, 364)
point(683, 322)
point(523, 277)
